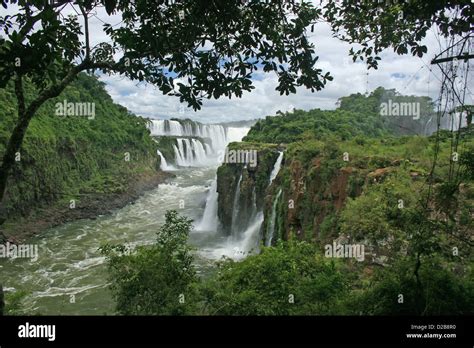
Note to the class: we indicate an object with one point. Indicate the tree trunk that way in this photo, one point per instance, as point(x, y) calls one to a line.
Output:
point(14, 145)
point(25, 114)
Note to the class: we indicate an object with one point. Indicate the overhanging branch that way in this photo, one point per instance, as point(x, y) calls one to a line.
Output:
point(464, 56)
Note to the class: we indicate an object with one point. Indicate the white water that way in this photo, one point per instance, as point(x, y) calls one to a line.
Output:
point(201, 145)
point(70, 263)
point(164, 165)
point(238, 248)
point(235, 208)
point(245, 235)
point(210, 221)
point(271, 226)
point(276, 167)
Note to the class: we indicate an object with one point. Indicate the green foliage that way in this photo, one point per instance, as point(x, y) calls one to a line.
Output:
point(401, 25)
point(13, 303)
point(157, 279)
point(67, 157)
point(157, 45)
point(266, 284)
point(315, 124)
point(394, 290)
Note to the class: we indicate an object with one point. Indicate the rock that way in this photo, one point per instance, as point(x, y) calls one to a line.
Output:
point(379, 174)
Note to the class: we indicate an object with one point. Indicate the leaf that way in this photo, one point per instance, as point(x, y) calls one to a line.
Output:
point(110, 6)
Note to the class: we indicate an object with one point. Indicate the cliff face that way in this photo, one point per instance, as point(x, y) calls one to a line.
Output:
point(243, 188)
point(312, 196)
point(314, 191)
point(344, 177)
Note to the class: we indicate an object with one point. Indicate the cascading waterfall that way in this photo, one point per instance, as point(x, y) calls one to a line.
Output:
point(248, 238)
point(235, 208)
point(276, 167)
point(250, 241)
point(271, 226)
point(199, 152)
point(197, 145)
point(216, 133)
point(163, 164)
point(192, 153)
point(202, 145)
point(209, 219)
point(208, 149)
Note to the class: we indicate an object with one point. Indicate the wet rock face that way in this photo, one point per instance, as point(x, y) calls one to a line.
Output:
point(315, 192)
point(254, 183)
point(227, 181)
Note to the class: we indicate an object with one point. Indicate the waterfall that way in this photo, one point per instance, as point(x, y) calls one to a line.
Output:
point(197, 144)
point(235, 208)
point(245, 238)
point(208, 149)
point(199, 152)
point(276, 167)
point(179, 153)
point(250, 241)
point(163, 164)
point(273, 175)
point(209, 220)
point(271, 226)
point(192, 153)
point(205, 155)
point(215, 132)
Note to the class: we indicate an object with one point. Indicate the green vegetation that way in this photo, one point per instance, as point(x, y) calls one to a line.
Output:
point(158, 279)
point(49, 49)
point(72, 157)
point(291, 278)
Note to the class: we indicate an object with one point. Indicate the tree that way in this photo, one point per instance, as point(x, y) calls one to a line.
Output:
point(189, 49)
point(292, 278)
point(401, 25)
point(157, 279)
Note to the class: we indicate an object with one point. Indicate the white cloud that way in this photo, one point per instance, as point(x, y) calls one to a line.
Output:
point(407, 74)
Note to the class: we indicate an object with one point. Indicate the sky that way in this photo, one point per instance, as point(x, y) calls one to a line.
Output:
point(407, 74)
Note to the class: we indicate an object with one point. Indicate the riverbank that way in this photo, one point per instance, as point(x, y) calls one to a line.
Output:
point(89, 207)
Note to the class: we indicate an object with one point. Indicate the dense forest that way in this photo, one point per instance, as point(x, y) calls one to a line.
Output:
point(70, 167)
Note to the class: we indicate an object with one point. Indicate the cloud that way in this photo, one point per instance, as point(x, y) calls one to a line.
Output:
point(409, 75)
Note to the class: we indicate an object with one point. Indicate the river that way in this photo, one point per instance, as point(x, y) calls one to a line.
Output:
point(70, 275)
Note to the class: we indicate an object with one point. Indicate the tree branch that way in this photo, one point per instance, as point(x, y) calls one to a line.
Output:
point(20, 97)
point(86, 31)
point(26, 114)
